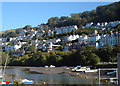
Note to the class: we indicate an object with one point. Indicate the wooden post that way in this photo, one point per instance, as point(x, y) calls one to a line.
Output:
point(118, 56)
point(99, 76)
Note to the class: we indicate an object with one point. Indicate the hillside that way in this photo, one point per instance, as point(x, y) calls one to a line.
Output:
point(104, 13)
point(70, 41)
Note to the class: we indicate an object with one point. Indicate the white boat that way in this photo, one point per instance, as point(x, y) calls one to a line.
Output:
point(52, 66)
point(91, 71)
point(75, 68)
point(1, 77)
point(4, 83)
point(82, 69)
point(45, 66)
point(26, 81)
point(111, 78)
point(108, 73)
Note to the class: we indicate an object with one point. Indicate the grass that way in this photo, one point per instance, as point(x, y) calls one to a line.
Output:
point(106, 63)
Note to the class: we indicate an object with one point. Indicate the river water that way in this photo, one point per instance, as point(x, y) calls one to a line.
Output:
point(63, 78)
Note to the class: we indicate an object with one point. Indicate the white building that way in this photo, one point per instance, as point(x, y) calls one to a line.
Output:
point(17, 47)
point(66, 29)
point(94, 38)
point(72, 37)
point(50, 32)
point(33, 31)
point(49, 47)
point(109, 39)
point(12, 48)
point(89, 25)
point(83, 39)
point(102, 25)
point(12, 39)
point(53, 41)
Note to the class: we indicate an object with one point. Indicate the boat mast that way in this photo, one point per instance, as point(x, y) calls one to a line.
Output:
point(5, 66)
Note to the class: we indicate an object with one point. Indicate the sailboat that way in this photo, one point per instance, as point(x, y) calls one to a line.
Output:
point(4, 67)
point(3, 73)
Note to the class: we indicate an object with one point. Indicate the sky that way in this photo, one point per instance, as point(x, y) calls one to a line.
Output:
point(18, 14)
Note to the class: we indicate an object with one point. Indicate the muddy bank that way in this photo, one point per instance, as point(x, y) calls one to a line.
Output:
point(43, 70)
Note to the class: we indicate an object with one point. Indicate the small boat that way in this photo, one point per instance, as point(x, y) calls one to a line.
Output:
point(108, 73)
point(11, 83)
point(52, 66)
point(3, 83)
point(1, 77)
point(75, 68)
point(26, 81)
point(111, 78)
point(45, 66)
point(82, 69)
point(91, 71)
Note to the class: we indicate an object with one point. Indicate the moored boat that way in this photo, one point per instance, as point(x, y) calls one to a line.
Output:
point(1, 77)
point(52, 66)
point(26, 81)
point(91, 71)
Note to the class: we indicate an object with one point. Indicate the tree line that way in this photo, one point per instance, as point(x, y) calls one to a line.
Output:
point(87, 55)
point(104, 13)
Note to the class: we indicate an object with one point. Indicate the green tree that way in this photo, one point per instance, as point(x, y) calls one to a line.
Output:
point(94, 59)
point(27, 27)
point(31, 48)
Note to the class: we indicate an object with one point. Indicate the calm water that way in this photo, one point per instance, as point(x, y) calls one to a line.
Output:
point(63, 78)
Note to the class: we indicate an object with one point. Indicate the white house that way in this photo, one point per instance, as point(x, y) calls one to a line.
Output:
point(17, 46)
point(109, 39)
point(33, 31)
point(12, 48)
point(66, 29)
point(48, 46)
point(95, 44)
point(12, 39)
point(83, 39)
point(94, 38)
point(89, 25)
point(50, 32)
point(72, 37)
point(53, 41)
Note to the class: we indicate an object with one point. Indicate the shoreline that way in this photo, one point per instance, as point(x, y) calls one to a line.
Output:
point(58, 70)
